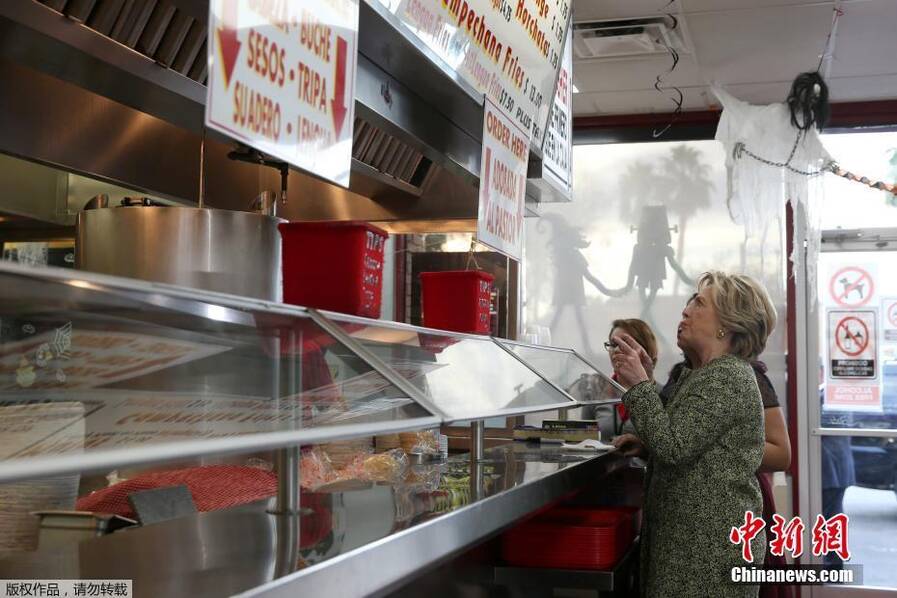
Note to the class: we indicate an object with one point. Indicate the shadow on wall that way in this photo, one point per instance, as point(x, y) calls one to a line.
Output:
point(678, 186)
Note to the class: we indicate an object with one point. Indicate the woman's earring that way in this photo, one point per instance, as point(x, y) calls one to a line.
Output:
point(720, 333)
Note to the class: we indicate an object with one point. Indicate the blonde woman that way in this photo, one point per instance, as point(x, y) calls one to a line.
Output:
point(706, 444)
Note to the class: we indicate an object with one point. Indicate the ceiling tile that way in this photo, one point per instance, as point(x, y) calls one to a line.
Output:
point(754, 47)
point(866, 40)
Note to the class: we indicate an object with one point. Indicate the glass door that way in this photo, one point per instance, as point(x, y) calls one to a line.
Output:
point(853, 413)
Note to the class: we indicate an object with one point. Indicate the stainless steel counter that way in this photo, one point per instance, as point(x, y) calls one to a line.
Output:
point(363, 539)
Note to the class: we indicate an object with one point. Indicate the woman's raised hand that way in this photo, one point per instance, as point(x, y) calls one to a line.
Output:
point(629, 361)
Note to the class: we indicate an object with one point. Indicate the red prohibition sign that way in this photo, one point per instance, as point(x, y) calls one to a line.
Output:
point(852, 282)
point(860, 339)
point(892, 314)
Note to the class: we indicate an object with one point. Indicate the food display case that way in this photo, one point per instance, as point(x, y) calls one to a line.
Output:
point(108, 381)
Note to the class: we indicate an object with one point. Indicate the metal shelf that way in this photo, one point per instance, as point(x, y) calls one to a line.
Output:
point(381, 536)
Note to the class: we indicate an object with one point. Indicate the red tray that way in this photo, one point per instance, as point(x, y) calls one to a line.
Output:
point(571, 538)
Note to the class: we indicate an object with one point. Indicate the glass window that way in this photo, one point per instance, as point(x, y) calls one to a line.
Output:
point(859, 479)
point(858, 338)
point(645, 221)
point(873, 155)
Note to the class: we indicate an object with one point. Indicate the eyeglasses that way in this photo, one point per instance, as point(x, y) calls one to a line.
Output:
point(609, 347)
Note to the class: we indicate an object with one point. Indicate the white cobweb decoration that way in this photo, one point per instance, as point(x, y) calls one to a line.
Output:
point(757, 190)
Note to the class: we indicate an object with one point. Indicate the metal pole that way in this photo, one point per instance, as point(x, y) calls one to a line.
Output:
point(284, 176)
point(477, 441)
point(287, 469)
point(202, 170)
point(286, 464)
point(477, 482)
point(286, 555)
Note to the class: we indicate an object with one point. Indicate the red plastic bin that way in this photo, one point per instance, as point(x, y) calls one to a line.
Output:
point(457, 300)
point(571, 538)
point(336, 266)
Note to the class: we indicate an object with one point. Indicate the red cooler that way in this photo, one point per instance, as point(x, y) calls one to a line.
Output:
point(337, 266)
point(457, 300)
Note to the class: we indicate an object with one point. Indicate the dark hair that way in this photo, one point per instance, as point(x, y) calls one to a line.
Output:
point(641, 332)
point(808, 102)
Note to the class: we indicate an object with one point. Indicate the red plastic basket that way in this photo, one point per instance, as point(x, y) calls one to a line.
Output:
point(457, 300)
point(336, 266)
point(571, 538)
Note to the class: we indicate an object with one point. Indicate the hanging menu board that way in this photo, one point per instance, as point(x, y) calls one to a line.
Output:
point(502, 184)
point(557, 151)
point(282, 79)
point(509, 50)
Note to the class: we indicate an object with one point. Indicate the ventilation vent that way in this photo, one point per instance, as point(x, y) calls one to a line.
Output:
point(155, 28)
point(629, 37)
point(388, 155)
point(176, 39)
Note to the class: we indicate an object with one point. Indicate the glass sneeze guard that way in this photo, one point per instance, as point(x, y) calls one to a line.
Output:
point(101, 372)
point(94, 375)
point(465, 376)
point(569, 371)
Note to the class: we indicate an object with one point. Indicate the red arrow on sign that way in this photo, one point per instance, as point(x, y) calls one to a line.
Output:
point(338, 103)
point(227, 40)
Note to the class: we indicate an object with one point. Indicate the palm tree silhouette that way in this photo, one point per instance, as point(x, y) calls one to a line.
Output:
point(688, 189)
point(640, 185)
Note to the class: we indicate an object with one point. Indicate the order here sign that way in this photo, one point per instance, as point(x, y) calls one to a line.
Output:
point(282, 79)
point(502, 183)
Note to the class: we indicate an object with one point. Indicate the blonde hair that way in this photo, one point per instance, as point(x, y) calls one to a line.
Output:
point(744, 310)
point(641, 332)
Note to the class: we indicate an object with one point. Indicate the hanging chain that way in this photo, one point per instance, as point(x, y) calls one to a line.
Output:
point(830, 166)
point(741, 149)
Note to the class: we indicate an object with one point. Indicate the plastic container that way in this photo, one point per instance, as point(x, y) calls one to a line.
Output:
point(571, 538)
point(337, 266)
point(457, 300)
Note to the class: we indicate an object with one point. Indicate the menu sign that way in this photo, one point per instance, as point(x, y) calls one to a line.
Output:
point(57, 422)
point(557, 158)
point(502, 183)
point(282, 79)
point(509, 50)
point(68, 358)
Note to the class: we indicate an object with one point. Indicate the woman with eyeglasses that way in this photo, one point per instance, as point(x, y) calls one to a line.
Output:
point(644, 336)
point(705, 443)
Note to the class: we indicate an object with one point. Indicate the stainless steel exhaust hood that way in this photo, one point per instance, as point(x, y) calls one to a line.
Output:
point(132, 73)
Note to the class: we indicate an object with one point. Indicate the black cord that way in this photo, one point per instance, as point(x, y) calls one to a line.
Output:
point(679, 98)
